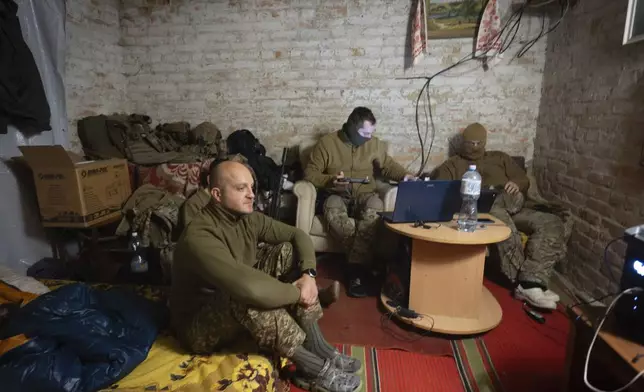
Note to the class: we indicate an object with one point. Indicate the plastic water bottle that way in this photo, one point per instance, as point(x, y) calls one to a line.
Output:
point(138, 263)
point(470, 192)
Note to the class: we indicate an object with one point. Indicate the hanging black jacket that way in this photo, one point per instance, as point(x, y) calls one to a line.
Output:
point(22, 97)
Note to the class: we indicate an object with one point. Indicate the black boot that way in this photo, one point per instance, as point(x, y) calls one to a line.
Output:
point(357, 284)
point(330, 294)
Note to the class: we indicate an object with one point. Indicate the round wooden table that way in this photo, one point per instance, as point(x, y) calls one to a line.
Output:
point(446, 282)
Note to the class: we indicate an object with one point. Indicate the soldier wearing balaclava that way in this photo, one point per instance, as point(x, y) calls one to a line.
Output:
point(497, 168)
point(532, 267)
point(350, 209)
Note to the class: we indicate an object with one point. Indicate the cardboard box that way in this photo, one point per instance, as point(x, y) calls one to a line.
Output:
point(77, 193)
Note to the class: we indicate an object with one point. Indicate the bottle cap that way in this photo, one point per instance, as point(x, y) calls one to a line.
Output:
point(472, 167)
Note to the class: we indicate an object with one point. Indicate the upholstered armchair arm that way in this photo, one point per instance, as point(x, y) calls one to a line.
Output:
point(387, 193)
point(306, 195)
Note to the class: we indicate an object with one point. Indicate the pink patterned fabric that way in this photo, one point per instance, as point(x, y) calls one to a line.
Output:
point(489, 30)
point(419, 32)
point(177, 178)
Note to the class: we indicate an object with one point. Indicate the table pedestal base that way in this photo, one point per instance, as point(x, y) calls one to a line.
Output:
point(446, 288)
point(489, 316)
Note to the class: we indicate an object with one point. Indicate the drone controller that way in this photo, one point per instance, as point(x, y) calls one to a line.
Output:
point(352, 180)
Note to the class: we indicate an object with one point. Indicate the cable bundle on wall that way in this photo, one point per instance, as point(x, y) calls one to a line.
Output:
point(506, 36)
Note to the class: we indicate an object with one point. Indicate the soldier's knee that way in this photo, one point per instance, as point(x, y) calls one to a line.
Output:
point(502, 215)
point(374, 202)
point(334, 201)
point(551, 225)
point(264, 318)
point(285, 248)
point(370, 215)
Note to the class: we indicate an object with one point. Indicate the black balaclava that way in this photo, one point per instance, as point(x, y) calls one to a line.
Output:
point(353, 128)
point(474, 133)
point(352, 134)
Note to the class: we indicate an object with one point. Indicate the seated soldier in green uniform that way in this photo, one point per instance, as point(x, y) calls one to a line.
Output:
point(194, 206)
point(531, 271)
point(353, 152)
point(222, 294)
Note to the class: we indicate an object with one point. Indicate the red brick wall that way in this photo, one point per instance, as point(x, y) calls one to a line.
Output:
point(590, 135)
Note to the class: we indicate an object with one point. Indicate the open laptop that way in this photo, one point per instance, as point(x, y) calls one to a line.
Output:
point(486, 200)
point(432, 201)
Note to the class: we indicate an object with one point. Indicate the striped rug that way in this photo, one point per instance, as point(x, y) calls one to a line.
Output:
point(398, 371)
point(475, 367)
point(518, 355)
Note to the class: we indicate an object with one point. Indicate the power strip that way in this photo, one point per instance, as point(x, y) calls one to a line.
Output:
point(403, 312)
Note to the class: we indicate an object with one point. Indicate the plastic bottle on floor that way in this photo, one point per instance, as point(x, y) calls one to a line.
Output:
point(138, 263)
point(470, 192)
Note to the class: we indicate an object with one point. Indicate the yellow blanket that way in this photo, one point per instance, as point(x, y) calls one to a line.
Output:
point(169, 367)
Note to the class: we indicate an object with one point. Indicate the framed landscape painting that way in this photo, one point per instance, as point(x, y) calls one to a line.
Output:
point(453, 18)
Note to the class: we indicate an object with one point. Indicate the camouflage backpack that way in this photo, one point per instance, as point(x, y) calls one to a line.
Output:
point(208, 139)
point(132, 136)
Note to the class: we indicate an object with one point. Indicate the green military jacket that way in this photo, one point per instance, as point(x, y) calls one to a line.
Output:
point(334, 153)
point(496, 169)
point(218, 249)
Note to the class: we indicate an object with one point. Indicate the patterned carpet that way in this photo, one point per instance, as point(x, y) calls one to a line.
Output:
point(518, 355)
point(397, 371)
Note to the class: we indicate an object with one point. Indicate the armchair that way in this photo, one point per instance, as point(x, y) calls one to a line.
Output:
point(313, 224)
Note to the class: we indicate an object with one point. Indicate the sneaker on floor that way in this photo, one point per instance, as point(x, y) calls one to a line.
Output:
point(346, 363)
point(330, 379)
point(552, 295)
point(357, 288)
point(535, 297)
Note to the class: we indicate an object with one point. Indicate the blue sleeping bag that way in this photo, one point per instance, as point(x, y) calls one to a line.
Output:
point(81, 339)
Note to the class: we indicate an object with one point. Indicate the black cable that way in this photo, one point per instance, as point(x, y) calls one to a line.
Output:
point(530, 43)
point(605, 260)
point(505, 45)
point(610, 272)
point(385, 319)
point(574, 305)
point(472, 56)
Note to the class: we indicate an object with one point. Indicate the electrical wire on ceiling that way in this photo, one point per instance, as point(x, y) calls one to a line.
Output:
point(506, 36)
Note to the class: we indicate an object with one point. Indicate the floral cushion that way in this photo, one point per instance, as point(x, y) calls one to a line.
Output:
point(177, 178)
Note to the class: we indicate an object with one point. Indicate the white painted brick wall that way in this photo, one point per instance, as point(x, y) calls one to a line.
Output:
point(94, 79)
point(292, 69)
point(590, 138)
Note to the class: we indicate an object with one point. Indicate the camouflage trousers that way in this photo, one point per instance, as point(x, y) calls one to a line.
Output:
point(544, 248)
point(222, 321)
point(357, 236)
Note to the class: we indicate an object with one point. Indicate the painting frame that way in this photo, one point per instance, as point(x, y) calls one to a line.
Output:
point(634, 26)
point(442, 16)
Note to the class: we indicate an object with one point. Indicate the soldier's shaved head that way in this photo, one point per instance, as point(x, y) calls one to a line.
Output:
point(225, 171)
point(231, 186)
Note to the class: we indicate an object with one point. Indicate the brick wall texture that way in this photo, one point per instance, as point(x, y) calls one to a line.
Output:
point(589, 138)
point(290, 70)
point(94, 78)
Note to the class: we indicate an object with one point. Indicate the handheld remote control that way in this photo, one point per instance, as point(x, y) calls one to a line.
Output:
point(536, 316)
point(352, 180)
